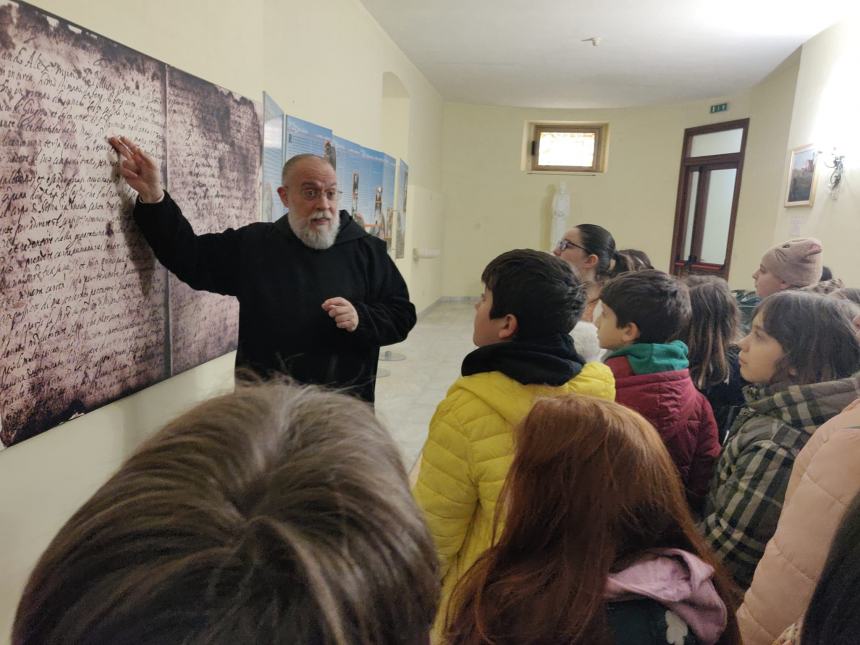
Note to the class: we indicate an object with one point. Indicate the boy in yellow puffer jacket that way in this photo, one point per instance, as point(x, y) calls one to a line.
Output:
point(531, 301)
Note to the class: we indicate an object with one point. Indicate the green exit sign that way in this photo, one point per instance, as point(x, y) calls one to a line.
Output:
point(719, 107)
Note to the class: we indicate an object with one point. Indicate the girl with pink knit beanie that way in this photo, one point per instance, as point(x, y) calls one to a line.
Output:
point(789, 265)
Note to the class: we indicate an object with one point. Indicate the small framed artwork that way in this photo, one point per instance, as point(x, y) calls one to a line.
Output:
point(801, 176)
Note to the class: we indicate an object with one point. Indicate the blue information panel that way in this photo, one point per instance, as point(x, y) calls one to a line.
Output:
point(348, 168)
point(402, 183)
point(306, 137)
point(273, 157)
point(370, 193)
point(389, 181)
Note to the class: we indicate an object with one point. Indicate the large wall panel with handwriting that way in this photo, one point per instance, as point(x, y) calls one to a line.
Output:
point(84, 315)
point(214, 170)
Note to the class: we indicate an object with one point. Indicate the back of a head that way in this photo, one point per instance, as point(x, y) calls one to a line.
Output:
point(658, 303)
point(714, 326)
point(632, 260)
point(833, 616)
point(272, 515)
point(591, 486)
point(816, 334)
point(541, 290)
point(585, 457)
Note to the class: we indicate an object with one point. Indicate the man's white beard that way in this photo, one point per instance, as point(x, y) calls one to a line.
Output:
point(319, 239)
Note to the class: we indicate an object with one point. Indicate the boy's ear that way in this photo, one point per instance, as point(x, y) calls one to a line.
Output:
point(509, 327)
point(630, 332)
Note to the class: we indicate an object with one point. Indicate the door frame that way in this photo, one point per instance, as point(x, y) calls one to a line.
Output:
point(705, 162)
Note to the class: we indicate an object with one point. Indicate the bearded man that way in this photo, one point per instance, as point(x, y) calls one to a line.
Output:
point(317, 294)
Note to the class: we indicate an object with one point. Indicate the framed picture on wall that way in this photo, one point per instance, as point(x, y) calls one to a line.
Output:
point(801, 176)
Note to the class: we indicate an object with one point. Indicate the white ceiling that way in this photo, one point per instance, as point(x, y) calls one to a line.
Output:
point(530, 53)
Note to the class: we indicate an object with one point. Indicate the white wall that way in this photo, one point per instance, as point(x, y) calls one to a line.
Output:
point(825, 112)
point(321, 61)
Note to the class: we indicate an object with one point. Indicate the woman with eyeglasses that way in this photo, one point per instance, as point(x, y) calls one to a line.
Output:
point(590, 250)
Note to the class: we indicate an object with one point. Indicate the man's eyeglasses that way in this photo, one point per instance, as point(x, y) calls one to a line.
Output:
point(564, 244)
point(313, 194)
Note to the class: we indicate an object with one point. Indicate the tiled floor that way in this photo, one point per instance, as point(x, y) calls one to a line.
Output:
point(434, 350)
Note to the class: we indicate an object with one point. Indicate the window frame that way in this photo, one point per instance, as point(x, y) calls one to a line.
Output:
point(600, 130)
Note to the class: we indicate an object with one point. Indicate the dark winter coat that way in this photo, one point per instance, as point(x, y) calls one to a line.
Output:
point(281, 284)
point(673, 405)
point(727, 398)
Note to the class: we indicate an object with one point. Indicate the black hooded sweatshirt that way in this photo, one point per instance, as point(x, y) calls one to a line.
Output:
point(281, 285)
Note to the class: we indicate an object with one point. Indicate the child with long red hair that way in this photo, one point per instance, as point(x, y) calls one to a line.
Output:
point(598, 544)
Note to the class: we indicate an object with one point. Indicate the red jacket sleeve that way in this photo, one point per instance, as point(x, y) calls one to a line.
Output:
point(705, 457)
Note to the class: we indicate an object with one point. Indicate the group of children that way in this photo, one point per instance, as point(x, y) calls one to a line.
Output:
point(513, 514)
point(559, 500)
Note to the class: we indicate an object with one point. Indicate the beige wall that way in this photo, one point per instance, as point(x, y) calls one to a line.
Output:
point(771, 104)
point(321, 61)
point(493, 205)
point(826, 109)
point(812, 97)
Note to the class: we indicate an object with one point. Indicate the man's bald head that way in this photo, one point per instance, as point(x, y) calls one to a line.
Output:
point(300, 160)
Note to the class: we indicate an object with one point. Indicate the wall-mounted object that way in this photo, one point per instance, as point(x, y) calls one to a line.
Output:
point(425, 254)
point(560, 213)
point(834, 180)
point(802, 172)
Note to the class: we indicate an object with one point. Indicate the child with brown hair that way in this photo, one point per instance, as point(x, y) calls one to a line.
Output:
point(711, 338)
point(597, 544)
point(641, 317)
point(531, 300)
point(272, 515)
point(802, 359)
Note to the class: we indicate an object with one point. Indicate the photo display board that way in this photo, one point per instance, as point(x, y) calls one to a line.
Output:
point(304, 137)
point(370, 193)
point(273, 158)
point(389, 181)
point(348, 168)
point(402, 184)
point(87, 315)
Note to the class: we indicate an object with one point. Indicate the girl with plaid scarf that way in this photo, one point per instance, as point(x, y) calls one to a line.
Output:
point(802, 358)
